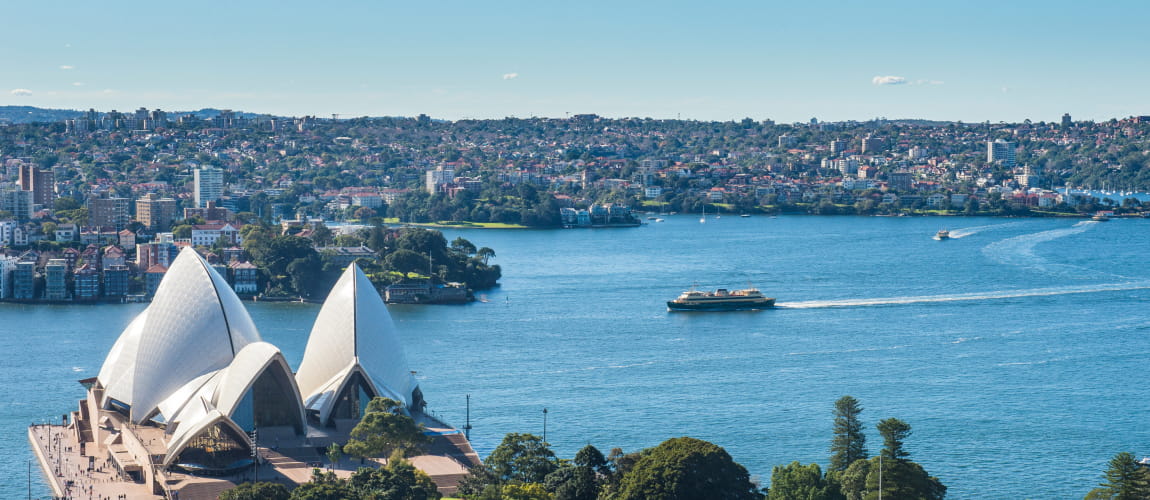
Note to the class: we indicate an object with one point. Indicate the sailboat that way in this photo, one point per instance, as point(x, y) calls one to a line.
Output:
point(703, 219)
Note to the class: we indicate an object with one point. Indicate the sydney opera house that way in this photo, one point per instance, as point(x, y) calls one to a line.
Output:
point(190, 390)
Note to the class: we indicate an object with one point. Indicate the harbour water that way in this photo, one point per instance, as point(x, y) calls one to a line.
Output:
point(1015, 349)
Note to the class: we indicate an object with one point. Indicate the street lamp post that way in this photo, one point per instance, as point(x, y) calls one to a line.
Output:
point(545, 426)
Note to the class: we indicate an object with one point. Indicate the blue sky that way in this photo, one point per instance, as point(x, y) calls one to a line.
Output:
point(787, 61)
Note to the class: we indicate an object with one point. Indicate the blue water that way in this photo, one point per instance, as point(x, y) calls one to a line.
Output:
point(1015, 350)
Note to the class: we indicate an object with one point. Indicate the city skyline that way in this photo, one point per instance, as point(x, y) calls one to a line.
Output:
point(974, 61)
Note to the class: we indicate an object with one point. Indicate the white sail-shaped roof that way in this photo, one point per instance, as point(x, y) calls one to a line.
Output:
point(117, 374)
point(249, 364)
point(204, 400)
point(353, 333)
point(194, 326)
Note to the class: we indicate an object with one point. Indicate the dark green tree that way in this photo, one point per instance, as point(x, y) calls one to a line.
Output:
point(305, 274)
point(485, 254)
point(257, 491)
point(1125, 479)
point(799, 482)
point(334, 454)
point(900, 479)
point(324, 486)
point(322, 235)
point(573, 483)
point(399, 480)
point(65, 203)
point(406, 261)
point(480, 482)
point(377, 238)
point(849, 443)
point(893, 431)
point(462, 245)
point(522, 457)
point(384, 429)
point(584, 480)
point(590, 456)
point(683, 468)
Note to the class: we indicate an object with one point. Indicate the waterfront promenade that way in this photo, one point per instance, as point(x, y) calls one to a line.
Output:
point(81, 473)
point(88, 470)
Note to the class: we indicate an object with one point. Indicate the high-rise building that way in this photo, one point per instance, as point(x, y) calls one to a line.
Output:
point(900, 181)
point(872, 145)
point(116, 280)
point(42, 184)
point(18, 203)
point(1001, 152)
point(7, 265)
point(24, 280)
point(1066, 121)
point(209, 185)
point(109, 212)
point(55, 280)
point(441, 175)
point(86, 279)
point(1031, 176)
point(155, 213)
point(838, 146)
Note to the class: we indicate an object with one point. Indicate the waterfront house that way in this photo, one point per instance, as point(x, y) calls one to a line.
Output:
point(71, 256)
point(245, 277)
point(113, 256)
point(91, 256)
point(24, 280)
point(87, 283)
point(7, 266)
point(152, 278)
point(55, 280)
point(232, 253)
point(116, 280)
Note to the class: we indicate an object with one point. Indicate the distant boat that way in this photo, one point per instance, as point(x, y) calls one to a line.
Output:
point(703, 219)
point(721, 300)
point(745, 215)
point(658, 220)
point(1100, 217)
point(942, 234)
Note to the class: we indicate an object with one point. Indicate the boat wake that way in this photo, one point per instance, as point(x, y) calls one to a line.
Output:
point(1007, 294)
point(1019, 250)
point(967, 231)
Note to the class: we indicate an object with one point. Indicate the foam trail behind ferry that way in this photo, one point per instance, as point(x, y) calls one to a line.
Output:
point(1006, 294)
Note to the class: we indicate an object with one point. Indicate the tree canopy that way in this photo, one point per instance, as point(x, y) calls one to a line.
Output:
point(685, 468)
point(1125, 479)
point(894, 432)
point(384, 429)
point(799, 482)
point(849, 443)
point(522, 457)
point(901, 479)
point(257, 491)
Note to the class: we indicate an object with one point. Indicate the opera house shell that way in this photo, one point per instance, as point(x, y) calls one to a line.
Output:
point(193, 364)
point(353, 354)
